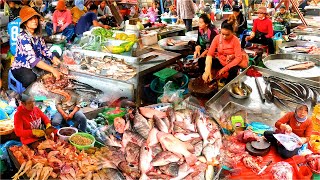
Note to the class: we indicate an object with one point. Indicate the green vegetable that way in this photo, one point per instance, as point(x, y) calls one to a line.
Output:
point(103, 33)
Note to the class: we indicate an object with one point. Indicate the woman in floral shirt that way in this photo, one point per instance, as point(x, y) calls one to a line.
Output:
point(31, 50)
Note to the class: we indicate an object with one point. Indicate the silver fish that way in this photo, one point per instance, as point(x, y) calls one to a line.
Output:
point(141, 125)
point(161, 125)
point(202, 128)
point(113, 174)
point(130, 136)
point(171, 169)
point(145, 160)
point(164, 158)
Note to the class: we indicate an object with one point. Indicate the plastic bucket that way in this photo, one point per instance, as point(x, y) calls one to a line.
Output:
point(63, 137)
point(174, 20)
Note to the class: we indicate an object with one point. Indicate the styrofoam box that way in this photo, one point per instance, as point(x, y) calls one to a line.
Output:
point(149, 39)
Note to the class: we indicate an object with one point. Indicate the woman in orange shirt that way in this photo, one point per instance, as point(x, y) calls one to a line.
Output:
point(224, 55)
point(296, 122)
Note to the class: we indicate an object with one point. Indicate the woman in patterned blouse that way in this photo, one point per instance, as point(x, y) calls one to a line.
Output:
point(31, 50)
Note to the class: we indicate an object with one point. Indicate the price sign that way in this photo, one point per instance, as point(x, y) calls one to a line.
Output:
point(13, 31)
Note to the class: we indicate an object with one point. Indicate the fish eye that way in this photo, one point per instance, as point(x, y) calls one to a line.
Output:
point(145, 148)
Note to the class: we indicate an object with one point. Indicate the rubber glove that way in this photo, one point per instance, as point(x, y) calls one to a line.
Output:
point(38, 132)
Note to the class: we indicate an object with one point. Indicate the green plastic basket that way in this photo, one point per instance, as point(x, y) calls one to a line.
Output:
point(165, 73)
point(111, 117)
point(316, 176)
point(84, 135)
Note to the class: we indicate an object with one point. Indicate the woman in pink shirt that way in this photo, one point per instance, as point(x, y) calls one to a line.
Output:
point(61, 21)
point(224, 56)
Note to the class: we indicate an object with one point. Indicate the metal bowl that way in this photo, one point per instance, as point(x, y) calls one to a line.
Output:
point(193, 34)
point(57, 38)
point(245, 87)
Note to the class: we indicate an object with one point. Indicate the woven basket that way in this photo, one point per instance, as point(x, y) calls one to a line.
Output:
point(8, 124)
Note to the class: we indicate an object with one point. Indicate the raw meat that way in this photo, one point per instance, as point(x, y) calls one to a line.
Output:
point(282, 171)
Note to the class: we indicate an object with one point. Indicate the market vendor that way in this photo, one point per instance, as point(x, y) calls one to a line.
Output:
point(283, 17)
point(296, 122)
point(104, 13)
point(61, 21)
point(78, 10)
point(262, 31)
point(70, 111)
point(224, 63)
point(240, 19)
point(206, 33)
point(89, 20)
point(30, 123)
point(32, 51)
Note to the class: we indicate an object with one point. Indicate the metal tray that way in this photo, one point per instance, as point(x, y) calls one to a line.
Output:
point(311, 30)
point(286, 47)
point(311, 38)
point(163, 42)
point(265, 112)
point(277, 61)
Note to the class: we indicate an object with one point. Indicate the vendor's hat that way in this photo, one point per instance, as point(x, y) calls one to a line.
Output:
point(61, 6)
point(26, 13)
point(262, 10)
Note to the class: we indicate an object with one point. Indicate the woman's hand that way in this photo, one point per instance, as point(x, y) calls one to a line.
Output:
point(221, 72)
point(286, 128)
point(197, 52)
point(248, 38)
point(303, 140)
point(207, 76)
point(56, 73)
point(56, 61)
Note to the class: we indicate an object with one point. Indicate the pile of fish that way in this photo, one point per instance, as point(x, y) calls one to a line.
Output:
point(172, 42)
point(287, 95)
point(169, 144)
point(110, 67)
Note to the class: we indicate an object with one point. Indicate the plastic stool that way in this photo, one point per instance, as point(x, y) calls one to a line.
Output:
point(14, 84)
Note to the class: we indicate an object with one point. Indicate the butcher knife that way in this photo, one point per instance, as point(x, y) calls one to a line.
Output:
point(264, 167)
point(148, 58)
point(263, 98)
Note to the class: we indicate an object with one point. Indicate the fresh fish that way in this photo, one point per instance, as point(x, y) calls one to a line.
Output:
point(295, 88)
point(150, 112)
point(113, 174)
point(145, 161)
point(200, 176)
point(186, 137)
point(300, 66)
point(268, 93)
point(316, 96)
point(184, 170)
point(141, 125)
point(152, 138)
point(309, 92)
point(130, 169)
point(164, 158)
point(171, 169)
point(178, 116)
point(130, 136)
point(285, 88)
point(157, 175)
point(156, 149)
point(132, 153)
point(211, 152)
point(202, 128)
point(195, 141)
point(302, 89)
point(186, 126)
point(281, 95)
point(172, 144)
point(198, 148)
point(161, 125)
point(172, 118)
point(167, 122)
point(119, 124)
point(112, 141)
point(280, 104)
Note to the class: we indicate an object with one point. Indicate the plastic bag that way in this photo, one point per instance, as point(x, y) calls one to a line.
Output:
point(259, 127)
point(282, 171)
point(289, 141)
point(171, 94)
point(68, 58)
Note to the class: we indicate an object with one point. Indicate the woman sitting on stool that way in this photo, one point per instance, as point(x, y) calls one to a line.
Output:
point(262, 31)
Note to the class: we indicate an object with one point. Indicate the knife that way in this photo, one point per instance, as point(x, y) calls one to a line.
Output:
point(150, 62)
point(263, 98)
point(148, 58)
point(264, 167)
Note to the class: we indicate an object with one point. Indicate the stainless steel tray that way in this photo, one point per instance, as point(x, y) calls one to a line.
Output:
point(287, 47)
point(311, 30)
point(163, 42)
point(277, 61)
point(257, 110)
point(311, 38)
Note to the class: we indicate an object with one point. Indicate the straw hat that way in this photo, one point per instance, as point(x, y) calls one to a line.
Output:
point(262, 10)
point(26, 13)
point(61, 6)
